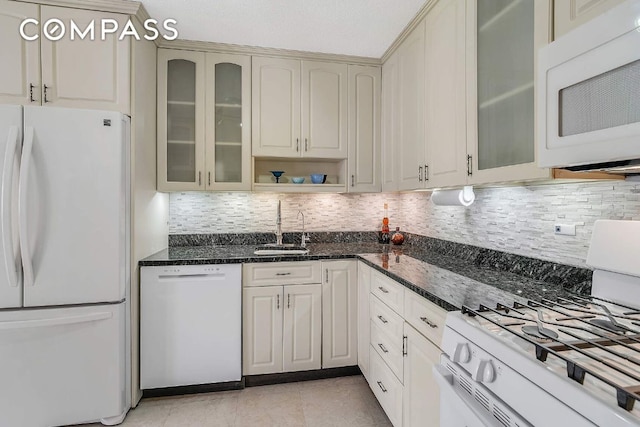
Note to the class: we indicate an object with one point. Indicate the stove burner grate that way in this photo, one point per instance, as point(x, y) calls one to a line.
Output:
point(542, 333)
point(608, 325)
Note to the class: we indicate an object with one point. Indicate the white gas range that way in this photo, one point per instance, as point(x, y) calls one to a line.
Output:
point(572, 362)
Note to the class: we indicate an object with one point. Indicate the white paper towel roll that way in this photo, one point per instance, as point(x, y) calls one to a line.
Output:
point(464, 197)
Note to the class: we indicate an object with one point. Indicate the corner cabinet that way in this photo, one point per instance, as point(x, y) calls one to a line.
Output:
point(299, 108)
point(204, 124)
point(339, 314)
point(51, 73)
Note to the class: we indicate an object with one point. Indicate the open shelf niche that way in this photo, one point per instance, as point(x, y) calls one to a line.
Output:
point(335, 169)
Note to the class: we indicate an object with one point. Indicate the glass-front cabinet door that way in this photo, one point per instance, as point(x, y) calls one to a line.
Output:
point(181, 125)
point(506, 35)
point(228, 127)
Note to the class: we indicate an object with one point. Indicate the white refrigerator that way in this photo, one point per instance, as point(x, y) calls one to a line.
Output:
point(64, 266)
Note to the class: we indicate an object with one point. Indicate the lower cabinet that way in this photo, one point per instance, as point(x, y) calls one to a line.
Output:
point(364, 288)
point(299, 316)
point(282, 328)
point(404, 333)
point(339, 314)
point(421, 406)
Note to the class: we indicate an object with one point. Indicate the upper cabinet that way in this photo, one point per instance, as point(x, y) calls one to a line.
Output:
point(80, 73)
point(410, 145)
point(445, 112)
point(568, 15)
point(20, 59)
point(390, 122)
point(502, 43)
point(299, 108)
point(364, 129)
point(203, 121)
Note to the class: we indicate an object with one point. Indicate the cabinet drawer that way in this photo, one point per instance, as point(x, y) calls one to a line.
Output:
point(281, 273)
point(389, 348)
point(389, 291)
point(386, 387)
point(386, 319)
point(425, 316)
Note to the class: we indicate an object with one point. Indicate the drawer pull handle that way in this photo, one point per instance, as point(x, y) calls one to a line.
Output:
point(383, 348)
point(384, 291)
point(283, 274)
point(382, 319)
point(428, 322)
point(384, 390)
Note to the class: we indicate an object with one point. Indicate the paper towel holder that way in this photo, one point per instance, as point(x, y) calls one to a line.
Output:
point(464, 197)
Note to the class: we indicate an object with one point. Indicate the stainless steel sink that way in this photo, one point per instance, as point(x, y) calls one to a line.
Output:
point(284, 249)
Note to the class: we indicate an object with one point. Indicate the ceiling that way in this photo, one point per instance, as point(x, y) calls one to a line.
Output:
point(349, 27)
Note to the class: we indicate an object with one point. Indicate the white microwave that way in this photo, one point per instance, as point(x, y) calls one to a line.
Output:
point(589, 95)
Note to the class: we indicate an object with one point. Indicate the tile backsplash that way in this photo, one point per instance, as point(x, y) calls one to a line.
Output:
point(518, 220)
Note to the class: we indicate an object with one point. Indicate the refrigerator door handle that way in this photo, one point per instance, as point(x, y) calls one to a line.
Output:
point(25, 161)
point(7, 187)
point(55, 321)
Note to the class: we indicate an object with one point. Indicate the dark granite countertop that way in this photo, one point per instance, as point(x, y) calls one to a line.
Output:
point(448, 281)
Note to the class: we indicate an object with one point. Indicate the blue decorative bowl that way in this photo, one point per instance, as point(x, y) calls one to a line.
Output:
point(297, 179)
point(318, 178)
point(277, 175)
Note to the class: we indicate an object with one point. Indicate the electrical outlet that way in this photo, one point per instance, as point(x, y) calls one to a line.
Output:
point(565, 229)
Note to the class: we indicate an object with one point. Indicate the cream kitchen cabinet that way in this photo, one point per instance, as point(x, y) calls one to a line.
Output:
point(364, 328)
point(204, 124)
point(390, 123)
point(282, 328)
point(445, 117)
point(282, 317)
point(411, 119)
point(93, 74)
point(339, 314)
point(502, 44)
point(299, 108)
point(568, 15)
point(364, 129)
point(421, 396)
point(405, 332)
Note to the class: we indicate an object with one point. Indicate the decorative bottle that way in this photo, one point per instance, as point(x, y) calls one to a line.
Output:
point(397, 238)
point(384, 232)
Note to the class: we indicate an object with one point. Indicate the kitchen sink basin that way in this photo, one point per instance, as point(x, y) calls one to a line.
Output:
point(285, 249)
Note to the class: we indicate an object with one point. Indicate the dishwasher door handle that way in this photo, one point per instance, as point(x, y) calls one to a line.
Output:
point(187, 277)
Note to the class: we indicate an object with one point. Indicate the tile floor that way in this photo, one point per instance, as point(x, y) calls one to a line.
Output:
point(345, 401)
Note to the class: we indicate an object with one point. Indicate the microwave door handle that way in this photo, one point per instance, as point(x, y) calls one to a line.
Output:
point(25, 162)
point(7, 193)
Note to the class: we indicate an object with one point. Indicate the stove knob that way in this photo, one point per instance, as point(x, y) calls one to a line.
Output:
point(461, 354)
point(485, 372)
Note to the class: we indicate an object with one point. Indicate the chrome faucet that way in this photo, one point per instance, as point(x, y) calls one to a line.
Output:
point(278, 226)
point(305, 237)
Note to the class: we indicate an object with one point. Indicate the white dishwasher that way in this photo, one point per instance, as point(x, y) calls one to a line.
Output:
point(190, 325)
